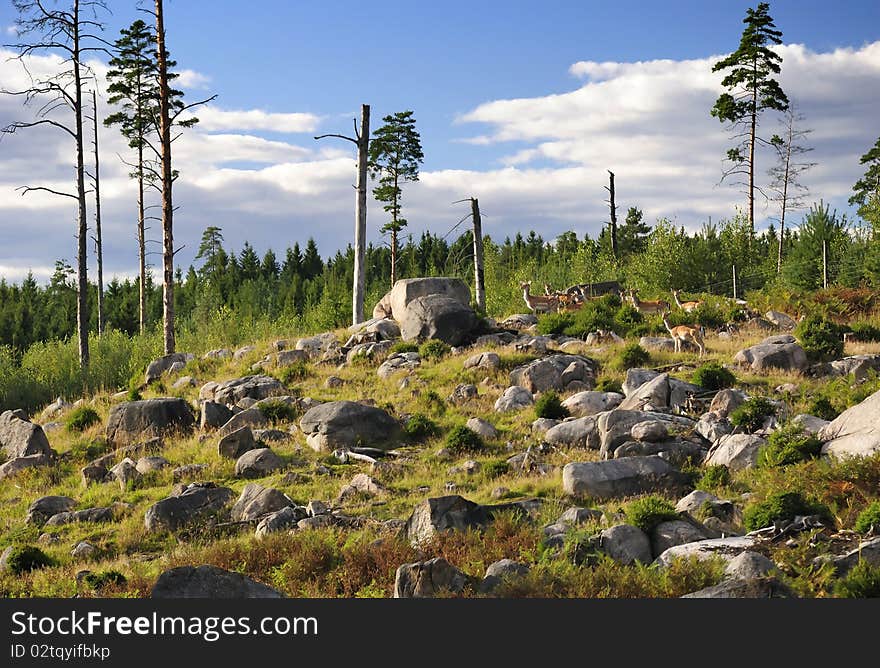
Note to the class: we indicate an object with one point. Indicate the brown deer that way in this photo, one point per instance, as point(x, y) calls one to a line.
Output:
point(685, 333)
point(538, 303)
point(687, 307)
point(570, 302)
point(647, 307)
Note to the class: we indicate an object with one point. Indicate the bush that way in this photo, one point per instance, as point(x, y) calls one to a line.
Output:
point(434, 402)
point(633, 355)
point(821, 339)
point(419, 427)
point(462, 439)
point(821, 407)
point(609, 385)
point(548, 405)
point(713, 376)
point(647, 512)
point(626, 318)
point(713, 477)
point(863, 581)
point(552, 324)
point(866, 332)
point(103, 578)
point(23, 558)
point(750, 415)
point(433, 349)
point(783, 506)
point(789, 444)
point(294, 373)
point(277, 411)
point(495, 468)
point(405, 347)
point(82, 418)
point(869, 518)
point(134, 395)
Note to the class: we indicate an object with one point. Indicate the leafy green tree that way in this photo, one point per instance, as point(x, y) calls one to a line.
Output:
point(632, 237)
point(867, 189)
point(210, 250)
point(820, 227)
point(751, 89)
point(395, 156)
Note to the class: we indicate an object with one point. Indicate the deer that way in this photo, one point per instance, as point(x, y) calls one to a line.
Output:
point(685, 333)
point(687, 307)
point(647, 307)
point(570, 302)
point(538, 303)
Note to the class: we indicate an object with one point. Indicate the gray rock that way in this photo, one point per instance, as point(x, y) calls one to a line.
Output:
point(217, 354)
point(483, 361)
point(749, 588)
point(658, 343)
point(519, 321)
point(83, 550)
point(483, 428)
point(209, 582)
point(859, 366)
point(585, 404)
point(243, 352)
point(868, 551)
point(20, 438)
point(314, 508)
point(726, 401)
point(286, 518)
point(134, 420)
point(287, 358)
point(429, 578)
point(748, 565)
point(87, 515)
point(775, 352)
point(626, 544)
point(253, 418)
point(273, 435)
point(160, 366)
point(316, 346)
point(694, 502)
point(406, 291)
point(726, 548)
point(148, 464)
point(537, 376)
point(712, 427)
point(46, 506)
point(676, 532)
point(257, 463)
point(502, 571)
point(615, 426)
point(463, 394)
point(333, 382)
point(257, 501)
point(255, 387)
point(214, 415)
point(542, 425)
point(398, 362)
point(55, 409)
point(575, 516)
point(125, 473)
point(855, 432)
point(621, 477)
point(437, 317)
point(92, 474)
point(346, 424)
point(577, 433)
point(235, 444)
point(736, 451)
point(781, 320)
point(650, 430)
point(646, 387)
point(317, 522)
point(19, 464)
point(514, 399)
point(197, 502)
point(810, 423)
point(677, 452)
point(368, 351)
point(445, 513)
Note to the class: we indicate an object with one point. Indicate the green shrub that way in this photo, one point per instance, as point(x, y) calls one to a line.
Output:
point(277, 411)
point(433, 349)
point(405, 347)
point(82, 418)
point(609, 385)
point(869, 518)
point(418, 427)
point(23, 558)
point(434, 402)
point(821, 407)
point(649, 511)
point(863, 581)
point(633, 355)
point(555, 323)
point(866, 332)
point(548, 405)
point(750, 415)
point(783, 506)
point(713, 376)
point(103, 578)
point(462, 439)
point(134, 395)
point(495, 468)
point(821, 339)
point(294, 373)
point(713, 477)
point(626, 318)
point(789, 444)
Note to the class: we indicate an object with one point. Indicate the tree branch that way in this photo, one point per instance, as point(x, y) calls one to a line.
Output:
point(353, 141)
point(26, 189)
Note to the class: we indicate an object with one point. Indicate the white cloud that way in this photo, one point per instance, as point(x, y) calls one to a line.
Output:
point(192, 79)
point(213, 118)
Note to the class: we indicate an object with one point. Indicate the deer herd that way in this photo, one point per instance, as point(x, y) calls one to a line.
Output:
point(574, 297)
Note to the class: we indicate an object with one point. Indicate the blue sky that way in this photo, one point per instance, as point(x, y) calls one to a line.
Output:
point(510, 98)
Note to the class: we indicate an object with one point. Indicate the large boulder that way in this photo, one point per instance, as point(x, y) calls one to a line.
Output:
point(407, 290)
point(257, 501)
point(590, 402)
point(214, 415)
point(860, 366)
point(104, 514)
point(514, 399)
point(253, 387)
point(235, 444)
point(622, 477)
point(485, 429)
point(554, 372)
point(736, 451)
point(157, 367)
point(646, 387)
point(615, 426)
point(765, 587)
point(626, 544)
point(445, 513)
point(855, 432)
point(577, 433)
point(676, 532)
point(316, 346)
point(398, 362)
point(46, 506)
point(382, 309)
point(776, 352)
point(483, 361)
point(780, 320)
point(726, 401)
point(198, 501)
point(437, 317)
point(257, 463)
point(133, 420)
point(726, 548)
point(346, 424)
point(209, 582)
point(19, 464)
point(429, 578)
point(20, 438)
point(252, 417)
point(286, 518)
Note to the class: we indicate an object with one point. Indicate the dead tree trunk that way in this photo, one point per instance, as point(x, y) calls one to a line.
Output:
point(99, 247)
point(142, 245)
point(479, 285)
point(613, 206)
point(167, 181)
point(82, 299)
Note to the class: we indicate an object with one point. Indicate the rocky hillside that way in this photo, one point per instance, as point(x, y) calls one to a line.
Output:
point(433, 453)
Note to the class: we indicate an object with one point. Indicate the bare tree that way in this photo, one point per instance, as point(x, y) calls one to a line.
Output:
point(60, 98)
point(785, 185)
point(99, 246)
point(613, 209)
point(361, 139)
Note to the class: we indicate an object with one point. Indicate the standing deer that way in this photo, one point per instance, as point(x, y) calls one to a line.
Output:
point(647, 307)
point(682, 333)
point(538, 303)
point(687, 307)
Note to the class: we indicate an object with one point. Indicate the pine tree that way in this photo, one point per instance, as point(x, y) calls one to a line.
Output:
point(632, 236)
point(395, 156)
point(312, 265)
point(751, 89)
point(867, 189)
